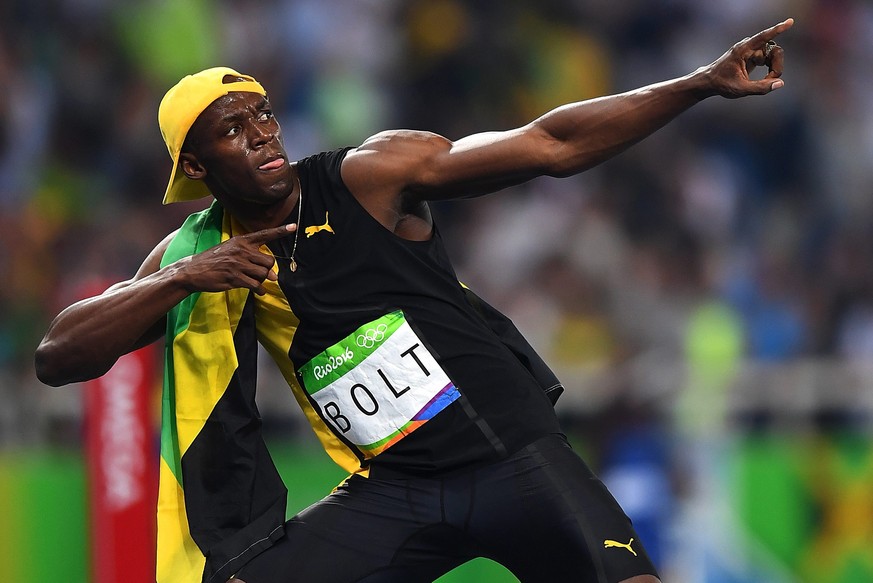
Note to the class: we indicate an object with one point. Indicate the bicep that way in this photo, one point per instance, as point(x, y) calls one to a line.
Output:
point(427, 166)
point(151, 265)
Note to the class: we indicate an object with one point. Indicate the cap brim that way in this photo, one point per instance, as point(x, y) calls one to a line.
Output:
point(181, 188)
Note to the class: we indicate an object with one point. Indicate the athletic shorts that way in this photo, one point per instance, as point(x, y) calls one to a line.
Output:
point(541, 513)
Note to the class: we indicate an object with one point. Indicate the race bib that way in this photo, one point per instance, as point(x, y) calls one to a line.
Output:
point(378, 385)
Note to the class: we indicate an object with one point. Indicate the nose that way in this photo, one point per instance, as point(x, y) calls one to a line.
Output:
point(261, 134)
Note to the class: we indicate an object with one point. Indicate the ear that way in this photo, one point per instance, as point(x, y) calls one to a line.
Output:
point(191, 166)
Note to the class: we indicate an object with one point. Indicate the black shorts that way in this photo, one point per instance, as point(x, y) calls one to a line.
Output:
point(541, 513)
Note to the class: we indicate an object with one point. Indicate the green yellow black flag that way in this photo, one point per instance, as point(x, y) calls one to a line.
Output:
point(221, 500)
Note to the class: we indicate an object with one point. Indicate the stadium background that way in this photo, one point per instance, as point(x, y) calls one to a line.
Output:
point(707, 297)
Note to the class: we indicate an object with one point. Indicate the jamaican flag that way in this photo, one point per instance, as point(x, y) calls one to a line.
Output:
point(221, 500)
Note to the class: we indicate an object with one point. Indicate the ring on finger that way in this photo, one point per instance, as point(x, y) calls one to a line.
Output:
point(768, 48)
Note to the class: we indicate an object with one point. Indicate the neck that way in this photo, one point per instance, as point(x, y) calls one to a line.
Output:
point(256, 217)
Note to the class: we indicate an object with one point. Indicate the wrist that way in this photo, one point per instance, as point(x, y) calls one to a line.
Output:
point(179, 279)
point(700, 83)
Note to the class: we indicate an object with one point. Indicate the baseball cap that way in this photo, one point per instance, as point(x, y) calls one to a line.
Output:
point(179, 109)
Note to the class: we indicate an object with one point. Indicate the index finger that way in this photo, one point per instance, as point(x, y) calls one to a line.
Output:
point(271, 234)
point(769, 34)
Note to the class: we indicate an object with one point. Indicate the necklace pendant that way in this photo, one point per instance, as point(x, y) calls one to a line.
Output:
point(293, 265)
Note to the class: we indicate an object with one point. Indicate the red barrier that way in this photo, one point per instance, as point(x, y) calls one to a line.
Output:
point(122, 470)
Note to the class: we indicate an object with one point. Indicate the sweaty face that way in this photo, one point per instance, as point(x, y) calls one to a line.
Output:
point(238, 143)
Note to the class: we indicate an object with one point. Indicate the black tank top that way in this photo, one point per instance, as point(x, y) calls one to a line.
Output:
point(355, 283)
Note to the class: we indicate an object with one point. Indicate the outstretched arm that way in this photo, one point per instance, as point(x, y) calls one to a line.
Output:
point(593, 131)
point(86, 339)
point(393, 171)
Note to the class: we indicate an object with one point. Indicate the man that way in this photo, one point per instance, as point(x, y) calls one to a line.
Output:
point(426, 394)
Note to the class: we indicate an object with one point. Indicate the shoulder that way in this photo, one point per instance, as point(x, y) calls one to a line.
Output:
point(385, 169)
point(394, 157)
point(400, 143)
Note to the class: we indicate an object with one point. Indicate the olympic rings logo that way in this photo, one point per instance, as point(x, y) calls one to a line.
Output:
point(372, 336)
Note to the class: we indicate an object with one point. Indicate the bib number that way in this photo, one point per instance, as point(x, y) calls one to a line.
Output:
point(378, 384)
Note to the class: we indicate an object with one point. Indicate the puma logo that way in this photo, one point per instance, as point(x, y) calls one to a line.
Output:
point(614, 543)
point(310, 231)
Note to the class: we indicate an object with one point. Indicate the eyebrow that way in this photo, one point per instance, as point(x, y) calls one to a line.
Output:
point(264, 103)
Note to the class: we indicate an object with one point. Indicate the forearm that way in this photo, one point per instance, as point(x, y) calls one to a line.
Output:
point(587, 133)
point(87, 338)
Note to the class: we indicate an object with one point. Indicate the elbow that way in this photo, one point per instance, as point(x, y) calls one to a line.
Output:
point(46, 365)
point(567, 168)
point(55, 367)
point(562, 159)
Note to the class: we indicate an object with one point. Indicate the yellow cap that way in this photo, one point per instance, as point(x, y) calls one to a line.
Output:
point(179, 109)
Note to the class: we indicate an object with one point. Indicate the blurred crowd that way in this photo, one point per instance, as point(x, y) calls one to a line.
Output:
point(740, 233)
point(719, 272)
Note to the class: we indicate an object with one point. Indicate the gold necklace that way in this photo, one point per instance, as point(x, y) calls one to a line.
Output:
point(292, 264)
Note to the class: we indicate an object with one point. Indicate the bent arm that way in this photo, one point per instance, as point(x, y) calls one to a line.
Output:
point(85, 339)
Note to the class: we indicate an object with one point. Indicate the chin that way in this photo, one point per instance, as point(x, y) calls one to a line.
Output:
point(282, 190)
point(277, 191)
point(275, 196)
